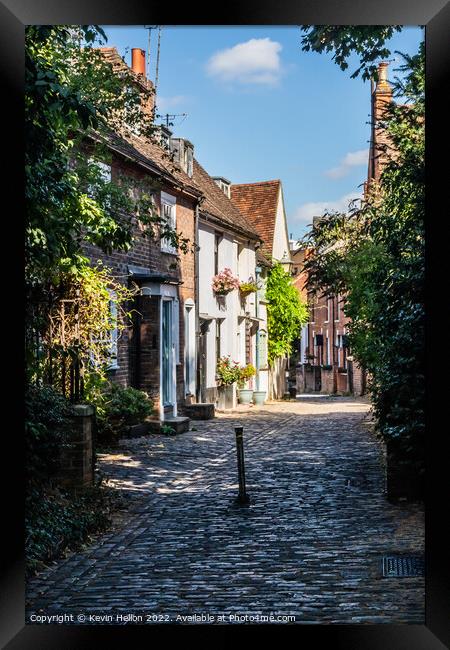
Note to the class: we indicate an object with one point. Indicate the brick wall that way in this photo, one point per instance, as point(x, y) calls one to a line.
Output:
point(327, 379)
point(359, 380)
point(76, 467)
point(147, 253)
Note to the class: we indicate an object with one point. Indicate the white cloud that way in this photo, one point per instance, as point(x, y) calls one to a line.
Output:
point(256, 61)
point(352, 159)
point(163, 103)
point(305, 213)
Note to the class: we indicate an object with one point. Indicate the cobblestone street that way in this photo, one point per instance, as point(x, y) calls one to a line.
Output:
point(310, 544)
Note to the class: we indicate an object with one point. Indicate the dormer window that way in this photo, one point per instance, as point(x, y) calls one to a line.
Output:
point(189, 160)
point(224, 185)
point(183, 151)
point(164, 135)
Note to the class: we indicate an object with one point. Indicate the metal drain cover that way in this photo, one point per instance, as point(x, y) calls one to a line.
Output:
point(401, 566)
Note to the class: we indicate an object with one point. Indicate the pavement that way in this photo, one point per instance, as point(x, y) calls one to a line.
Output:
point(307, 549)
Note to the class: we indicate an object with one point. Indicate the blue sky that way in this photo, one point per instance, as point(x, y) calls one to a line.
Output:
point(258, 108)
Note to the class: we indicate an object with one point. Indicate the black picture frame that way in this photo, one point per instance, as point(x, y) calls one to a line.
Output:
point(435, 15)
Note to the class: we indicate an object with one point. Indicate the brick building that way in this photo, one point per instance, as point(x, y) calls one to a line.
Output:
point(150, 353)
point(178, 328)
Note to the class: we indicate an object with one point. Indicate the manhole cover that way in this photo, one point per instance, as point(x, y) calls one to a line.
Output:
point(397, 566)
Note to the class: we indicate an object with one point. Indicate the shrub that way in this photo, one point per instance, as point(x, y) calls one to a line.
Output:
point(47, 421)
point(118, 408)
point(56, 520)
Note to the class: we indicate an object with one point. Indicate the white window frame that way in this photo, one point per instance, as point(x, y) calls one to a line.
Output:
point(169, 201)
point(105, 172)
point(262, 349)
point(189, 347)
point(327, 320)
point(176, 329)
point(337, 318)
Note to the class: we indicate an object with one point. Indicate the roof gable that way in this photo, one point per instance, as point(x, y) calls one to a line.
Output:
point(258, 202)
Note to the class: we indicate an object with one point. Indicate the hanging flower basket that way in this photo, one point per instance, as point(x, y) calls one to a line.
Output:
point(224, 282)
point(246, 288)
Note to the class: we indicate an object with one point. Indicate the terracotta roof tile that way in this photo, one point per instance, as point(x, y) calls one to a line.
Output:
point(258, 202)
point(219, 206)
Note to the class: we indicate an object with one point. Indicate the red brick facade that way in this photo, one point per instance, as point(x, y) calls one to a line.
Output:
point(159, 275)
point(138, 348)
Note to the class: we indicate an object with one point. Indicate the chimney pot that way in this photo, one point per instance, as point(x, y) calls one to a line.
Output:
point(138, 61)
point(382, 72)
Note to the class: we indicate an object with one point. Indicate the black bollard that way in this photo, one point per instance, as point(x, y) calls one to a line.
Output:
point(243, 496)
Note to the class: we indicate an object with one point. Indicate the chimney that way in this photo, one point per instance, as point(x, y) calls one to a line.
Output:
point(381, 97)
point(138, 60)
point(382, 73)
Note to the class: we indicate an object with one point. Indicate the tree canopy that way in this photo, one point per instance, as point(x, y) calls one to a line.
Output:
point(369, 42)
point(75, 101)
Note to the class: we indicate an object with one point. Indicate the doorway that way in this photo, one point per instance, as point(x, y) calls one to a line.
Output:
point(167, 353)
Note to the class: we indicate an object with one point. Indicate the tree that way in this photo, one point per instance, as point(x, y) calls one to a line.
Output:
point(74, 101)
point(375, 255)
point(367, 41)
point(286, 313)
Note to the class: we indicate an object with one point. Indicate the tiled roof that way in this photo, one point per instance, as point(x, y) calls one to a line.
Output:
point(113, 57)
point(215, 203)
point(258, 202)
point(262, 259)
point(219, 206)
point(152, 156)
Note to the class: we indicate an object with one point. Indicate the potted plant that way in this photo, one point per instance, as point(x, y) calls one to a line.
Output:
point(227, 373)
point(259, 397)
point(246, 373)
point(224, 282)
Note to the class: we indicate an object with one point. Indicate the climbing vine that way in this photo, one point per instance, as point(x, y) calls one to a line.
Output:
point(81, 312)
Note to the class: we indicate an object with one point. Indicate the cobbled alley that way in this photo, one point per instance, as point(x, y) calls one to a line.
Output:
point(308, 548)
